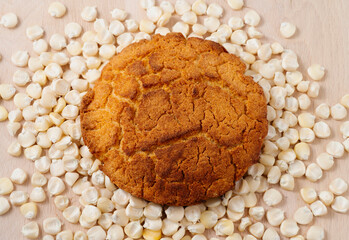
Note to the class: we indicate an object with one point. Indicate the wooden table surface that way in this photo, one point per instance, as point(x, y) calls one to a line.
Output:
point(322, 37)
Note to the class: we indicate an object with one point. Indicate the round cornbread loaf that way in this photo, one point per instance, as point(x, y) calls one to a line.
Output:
point(174, 120)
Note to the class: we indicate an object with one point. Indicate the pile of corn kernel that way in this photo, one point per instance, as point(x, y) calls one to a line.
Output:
point(46, 129)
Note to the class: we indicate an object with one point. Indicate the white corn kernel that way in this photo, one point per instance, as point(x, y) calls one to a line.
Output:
point(61, 202)
point(9, 20)
point(287, 182)
point(106, 51)
point(272, 197)
point(154, 13)
point(252, 46)
point(7, 91)
point(345, 101)
point(309, 195)
point(134, 229)
point(318, 208)
point(304, 101)
point(302, 151)
point(74, 48)
point(52, 225)
point(303, 86)
point(313, 172)
point(252, 18)
point(306, 135)
point(287, 29)
point(72, 214)
point(20, 58)
point(270, 234)
point(80, 235)
point(181, 27)
point(14, 149)
point(37, 195)
point(275, 216)
point(277, 48)
point(236, 204)
point(34, 32)
point(116, 28)
point(6, 186)
point(214, 10)
point(48, 237)
point(316, 72)
point(90, 195)
point(65, 235)
point(52, 71)
point(250, 199)
point(38, 179)
point(236, 4)
point(325, 161)
point(335, 149)
point(344, 129)
point(274, 175)
point(70, 112)
point(43, 164)
point(98, 25)
point(4, 206)
point(29, 210)
point(208, 218)
point(118, 14)
point(18, 176)
point(89, 13)
point(256, 229)
point(340, 204)
point(189, 18)
point(182, 6)
point(40, 46)
point(175, 214)
point(296, 169)
point(289, 228)
point(289, 61)
point(119, 217)
point(306, 120)
point(338, 186)
point(238, 37)
point(326, 197)
point(256, 213)
point(30, 230)
point(115, 232)
point(153, 224)
point(55, 186)
point(196, 228)
point(313, 90)
point(18, 198)
point(58, 42)
point(315, 233)
point(105, 205)
point(213, 23)
point(131, 25)
point(57, 9)
point(244, 223)
point(338, 112)
point(22, 100)
point(235, 23)
point(3, 113)
point(322, 130)
point(303, 215)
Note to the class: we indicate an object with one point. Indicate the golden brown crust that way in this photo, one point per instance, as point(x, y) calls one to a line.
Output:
point(174, 120)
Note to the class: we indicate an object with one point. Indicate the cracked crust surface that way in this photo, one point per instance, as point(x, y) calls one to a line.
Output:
point(174, 121)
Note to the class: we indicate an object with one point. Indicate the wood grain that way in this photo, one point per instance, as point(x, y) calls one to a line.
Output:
point(322, 37)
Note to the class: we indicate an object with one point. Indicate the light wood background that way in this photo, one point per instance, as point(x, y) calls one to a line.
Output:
point(322, 37)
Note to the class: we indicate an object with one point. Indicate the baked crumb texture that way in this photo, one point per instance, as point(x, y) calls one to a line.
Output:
point(175, 121)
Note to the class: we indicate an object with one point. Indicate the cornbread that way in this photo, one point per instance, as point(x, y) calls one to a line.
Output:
point(174, 120)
